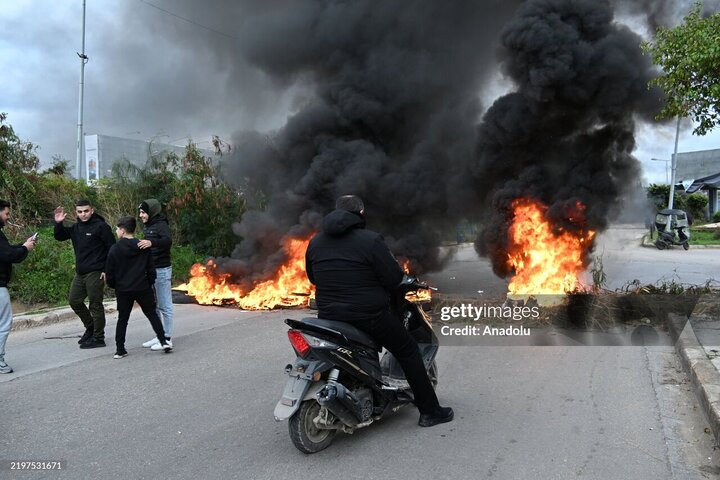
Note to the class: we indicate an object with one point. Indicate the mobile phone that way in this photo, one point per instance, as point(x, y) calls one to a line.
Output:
point(34, 237)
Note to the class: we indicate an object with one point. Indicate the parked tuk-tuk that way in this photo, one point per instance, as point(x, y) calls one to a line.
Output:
point(673, 229)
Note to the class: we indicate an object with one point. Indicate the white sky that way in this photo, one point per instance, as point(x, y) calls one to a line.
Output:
point(140, 84)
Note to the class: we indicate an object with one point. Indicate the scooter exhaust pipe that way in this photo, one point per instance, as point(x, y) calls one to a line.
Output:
point(340, 402)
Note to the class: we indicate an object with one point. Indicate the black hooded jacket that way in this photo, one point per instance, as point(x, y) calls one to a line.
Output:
point(128, 268)
point(91, 241)
point(9, 254)
point(157, 231)
point(352, 268)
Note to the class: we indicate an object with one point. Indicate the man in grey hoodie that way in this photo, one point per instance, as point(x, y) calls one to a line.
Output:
point(159, 240)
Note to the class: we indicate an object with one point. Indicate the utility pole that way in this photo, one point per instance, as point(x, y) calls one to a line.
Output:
point(674, 165)
point(667, 165)
point(83, 61)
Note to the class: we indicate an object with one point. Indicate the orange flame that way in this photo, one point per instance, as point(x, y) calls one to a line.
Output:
point(545, 262)
point(289, 287)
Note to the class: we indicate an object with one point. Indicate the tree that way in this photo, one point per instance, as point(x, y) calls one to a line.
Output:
point(689, 56)
point(18, 168)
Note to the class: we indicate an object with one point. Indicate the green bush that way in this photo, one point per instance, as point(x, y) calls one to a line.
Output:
point(696, 204)
point(716, 217)
point(183, 257)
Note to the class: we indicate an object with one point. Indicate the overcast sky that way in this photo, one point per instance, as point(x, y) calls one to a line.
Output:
point(169, 75)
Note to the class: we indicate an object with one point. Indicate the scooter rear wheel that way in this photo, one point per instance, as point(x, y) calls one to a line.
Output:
point(304, 434)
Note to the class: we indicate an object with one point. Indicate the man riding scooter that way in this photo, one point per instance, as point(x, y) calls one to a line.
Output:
point(353, 270)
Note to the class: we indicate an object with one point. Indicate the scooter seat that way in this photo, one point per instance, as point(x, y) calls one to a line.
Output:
point(344, 328)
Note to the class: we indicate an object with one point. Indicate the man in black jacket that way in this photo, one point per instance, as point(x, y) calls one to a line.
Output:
point(354, 272)
point(130, 271)
point(9, 254)
point(159, 240)
point(91, 238)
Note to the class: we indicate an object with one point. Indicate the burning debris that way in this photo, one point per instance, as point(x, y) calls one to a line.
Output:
point(546, 259)
point(563, 138)
point(290, 287)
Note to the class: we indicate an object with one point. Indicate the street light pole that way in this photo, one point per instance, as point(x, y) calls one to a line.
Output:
point(674, 165)
point(83, 61)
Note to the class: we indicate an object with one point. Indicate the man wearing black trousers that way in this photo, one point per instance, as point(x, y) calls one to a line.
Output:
point(354, 271)
point(130, 271)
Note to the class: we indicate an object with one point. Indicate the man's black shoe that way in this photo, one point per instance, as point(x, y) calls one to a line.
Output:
point(86, 336)
point(93, 343)
point(439, 415)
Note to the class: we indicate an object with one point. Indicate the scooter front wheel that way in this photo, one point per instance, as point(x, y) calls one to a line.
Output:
point(686, 245)
point(304, 433)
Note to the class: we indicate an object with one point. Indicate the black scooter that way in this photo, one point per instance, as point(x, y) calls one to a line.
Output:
point(339, 381)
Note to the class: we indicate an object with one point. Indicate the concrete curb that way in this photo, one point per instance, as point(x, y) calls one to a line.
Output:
point(48, 317)
point(647, 243)
point(703, 374)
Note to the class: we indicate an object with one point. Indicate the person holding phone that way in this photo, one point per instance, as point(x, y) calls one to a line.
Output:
point(9, 254)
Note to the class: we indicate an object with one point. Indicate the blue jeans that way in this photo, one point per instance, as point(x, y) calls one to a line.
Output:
point(6, 317)
point(163, 293)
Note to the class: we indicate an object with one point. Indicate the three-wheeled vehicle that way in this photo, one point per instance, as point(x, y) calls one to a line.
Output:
point(673, 229)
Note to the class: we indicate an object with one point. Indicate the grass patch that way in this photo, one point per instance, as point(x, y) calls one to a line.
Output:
point(703, 237)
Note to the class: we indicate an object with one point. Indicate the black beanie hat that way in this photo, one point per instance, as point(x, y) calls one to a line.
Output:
point(144, 207)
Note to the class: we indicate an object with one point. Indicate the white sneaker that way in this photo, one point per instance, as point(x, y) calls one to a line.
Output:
point(166, 348)
point(150, 343)
point(4, 367)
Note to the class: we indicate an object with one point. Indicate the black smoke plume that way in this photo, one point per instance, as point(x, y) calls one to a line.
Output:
point(390, 110)
point(392, 103)
point(566, 133)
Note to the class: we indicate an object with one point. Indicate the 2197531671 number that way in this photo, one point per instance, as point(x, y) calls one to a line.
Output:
point(32, 465)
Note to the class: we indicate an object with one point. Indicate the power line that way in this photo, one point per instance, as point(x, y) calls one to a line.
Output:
point(192, 22)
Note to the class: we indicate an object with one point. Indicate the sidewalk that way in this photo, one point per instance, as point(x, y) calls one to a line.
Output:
point(698, 345)
point(50, 316)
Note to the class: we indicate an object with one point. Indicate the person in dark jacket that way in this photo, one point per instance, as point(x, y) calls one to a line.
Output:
point(9, 254)
point(91, 239)
point(159, 240)
point(354, 272)
point(130, 271)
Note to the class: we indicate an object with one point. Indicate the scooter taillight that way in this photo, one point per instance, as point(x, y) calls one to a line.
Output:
point(298, 342)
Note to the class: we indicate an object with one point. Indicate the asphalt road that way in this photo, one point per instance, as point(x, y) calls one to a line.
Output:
point(205, 410)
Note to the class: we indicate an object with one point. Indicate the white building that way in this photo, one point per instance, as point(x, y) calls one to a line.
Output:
point(102, 151)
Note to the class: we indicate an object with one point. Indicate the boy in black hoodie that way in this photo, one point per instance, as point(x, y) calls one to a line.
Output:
point(130, 271)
